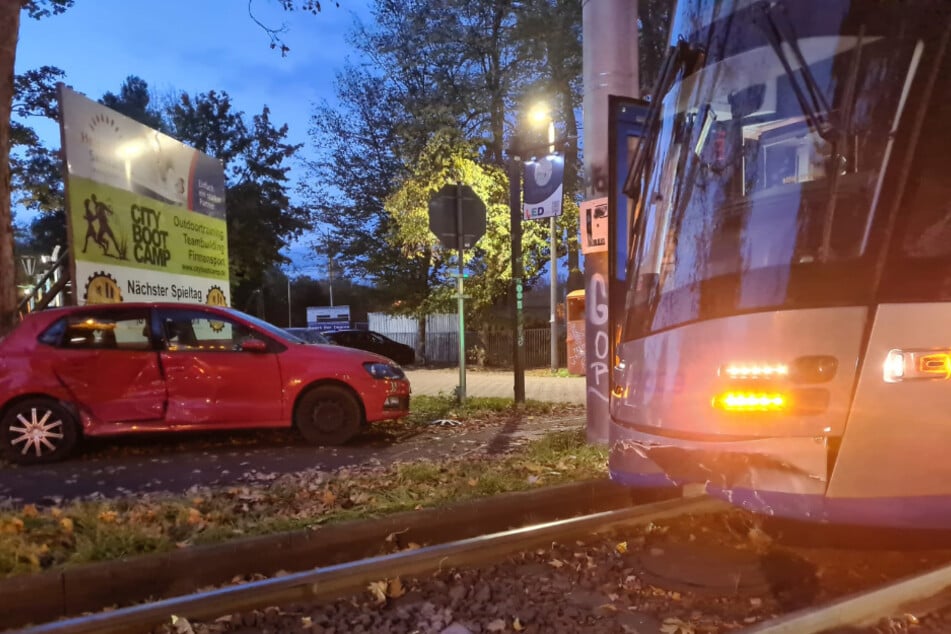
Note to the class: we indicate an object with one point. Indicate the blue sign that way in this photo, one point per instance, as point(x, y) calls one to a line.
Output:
point(544, 184)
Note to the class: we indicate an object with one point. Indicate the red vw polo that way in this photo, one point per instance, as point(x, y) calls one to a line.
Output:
point(129, 368)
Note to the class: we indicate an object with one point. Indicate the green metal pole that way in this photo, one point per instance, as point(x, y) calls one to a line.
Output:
point(518, 332)
point(459, 287)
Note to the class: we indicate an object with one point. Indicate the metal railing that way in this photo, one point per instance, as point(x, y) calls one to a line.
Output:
point(40, 296)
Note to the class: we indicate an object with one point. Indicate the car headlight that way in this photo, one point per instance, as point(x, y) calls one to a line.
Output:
point(384, 371)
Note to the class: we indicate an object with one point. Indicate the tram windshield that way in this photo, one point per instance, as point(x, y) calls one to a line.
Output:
point(762, 188)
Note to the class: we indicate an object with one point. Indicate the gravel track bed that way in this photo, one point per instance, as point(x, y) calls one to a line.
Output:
point(690, 575)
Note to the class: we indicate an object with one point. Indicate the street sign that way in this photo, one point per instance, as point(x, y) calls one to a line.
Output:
point(443, 213)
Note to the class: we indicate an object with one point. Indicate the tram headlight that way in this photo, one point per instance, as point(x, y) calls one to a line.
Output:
point(894, 368)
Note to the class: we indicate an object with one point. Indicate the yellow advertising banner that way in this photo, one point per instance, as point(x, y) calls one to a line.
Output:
point(146, 213)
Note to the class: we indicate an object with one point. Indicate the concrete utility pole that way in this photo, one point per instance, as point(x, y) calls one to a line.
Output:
point(610, 64)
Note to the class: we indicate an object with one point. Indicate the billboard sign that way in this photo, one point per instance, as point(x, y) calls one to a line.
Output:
point(544, 184)
point(326, 318)
point(145, 213)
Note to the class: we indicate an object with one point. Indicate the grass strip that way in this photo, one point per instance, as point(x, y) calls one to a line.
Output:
point(35, 539)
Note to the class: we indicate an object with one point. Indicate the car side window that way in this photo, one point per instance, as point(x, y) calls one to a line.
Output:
point(126, 330)
point(194, 331)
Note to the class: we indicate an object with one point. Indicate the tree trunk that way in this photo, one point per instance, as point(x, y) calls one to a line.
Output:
point(421, 340)
point(9, 34)
point(575, 277)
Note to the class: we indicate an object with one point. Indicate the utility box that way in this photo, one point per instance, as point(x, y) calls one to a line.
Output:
point(575, 338)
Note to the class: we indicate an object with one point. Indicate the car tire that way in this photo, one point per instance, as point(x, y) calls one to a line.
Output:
point(37, 430)
point(328, 415)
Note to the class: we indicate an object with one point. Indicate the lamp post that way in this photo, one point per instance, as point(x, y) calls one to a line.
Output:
point(289, 324)
point(541, 114)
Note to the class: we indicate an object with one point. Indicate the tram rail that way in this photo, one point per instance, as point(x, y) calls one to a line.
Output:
point(339, 580)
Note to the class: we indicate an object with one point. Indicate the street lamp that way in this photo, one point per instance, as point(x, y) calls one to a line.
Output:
point(541, 114)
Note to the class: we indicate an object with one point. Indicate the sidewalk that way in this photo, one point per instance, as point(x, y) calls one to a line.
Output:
point(499, 383)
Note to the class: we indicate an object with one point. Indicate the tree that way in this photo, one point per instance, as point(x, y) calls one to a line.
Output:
point(134, 101)
point(359, 160)
point(448, 159)
point(261, 218)
point(36, 170)
point(9, 33)
point(549, 36)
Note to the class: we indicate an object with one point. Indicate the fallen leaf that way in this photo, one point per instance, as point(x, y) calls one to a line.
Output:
point(472, 482)
point(621, 548)
point(182, 626)
point(395, 589)
point(12, 526)
point(194, 516)
point(517, 625)
point(378, 590)
point(496, 626)
point(673, 625)
point(108, 517)
point(306, 621)
point(67, 525)
point(556, 563)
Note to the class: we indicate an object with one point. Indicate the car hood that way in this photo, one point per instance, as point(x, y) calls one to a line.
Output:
point(344, 354)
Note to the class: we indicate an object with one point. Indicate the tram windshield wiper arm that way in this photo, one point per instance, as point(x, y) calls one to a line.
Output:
point(814, 105)
point(677, 58)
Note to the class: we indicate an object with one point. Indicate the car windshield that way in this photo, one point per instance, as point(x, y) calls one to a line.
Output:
point(270, 329)
point(307, 336)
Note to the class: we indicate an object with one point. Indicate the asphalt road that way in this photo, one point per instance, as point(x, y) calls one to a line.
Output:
point(175, 463)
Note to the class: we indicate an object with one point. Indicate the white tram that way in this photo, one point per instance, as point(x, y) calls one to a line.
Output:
point(785, 336)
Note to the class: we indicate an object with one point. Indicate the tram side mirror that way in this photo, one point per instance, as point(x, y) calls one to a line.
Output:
point(745, 102)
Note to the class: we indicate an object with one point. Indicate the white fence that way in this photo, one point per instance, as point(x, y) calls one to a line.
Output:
point(442, 341)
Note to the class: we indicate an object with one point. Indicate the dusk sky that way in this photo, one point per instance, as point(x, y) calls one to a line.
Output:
point(197, 46)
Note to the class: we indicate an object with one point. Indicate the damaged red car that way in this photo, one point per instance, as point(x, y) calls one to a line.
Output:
point(107, 370)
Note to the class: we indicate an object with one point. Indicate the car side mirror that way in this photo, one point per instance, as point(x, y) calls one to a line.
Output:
point(254, 345)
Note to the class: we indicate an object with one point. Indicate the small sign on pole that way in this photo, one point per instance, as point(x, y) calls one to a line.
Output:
point(544, 184)
point(594, 226)
point(457, 217)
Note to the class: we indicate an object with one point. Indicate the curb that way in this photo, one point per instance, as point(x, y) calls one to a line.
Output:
point(71, 591)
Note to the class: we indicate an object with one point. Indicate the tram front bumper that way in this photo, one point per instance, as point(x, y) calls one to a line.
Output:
point(798, 466)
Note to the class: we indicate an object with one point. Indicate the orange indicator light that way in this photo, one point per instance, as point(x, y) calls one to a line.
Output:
point(751, 402)
point(936, 365)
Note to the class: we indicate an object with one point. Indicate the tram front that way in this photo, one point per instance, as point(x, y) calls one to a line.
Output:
point(768, 190)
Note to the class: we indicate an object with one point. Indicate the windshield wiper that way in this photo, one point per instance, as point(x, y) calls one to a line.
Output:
point(814, 105)
point(677, 58)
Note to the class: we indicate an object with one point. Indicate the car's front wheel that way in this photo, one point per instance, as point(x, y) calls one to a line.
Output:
point(37, 430)
point(328, 415)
